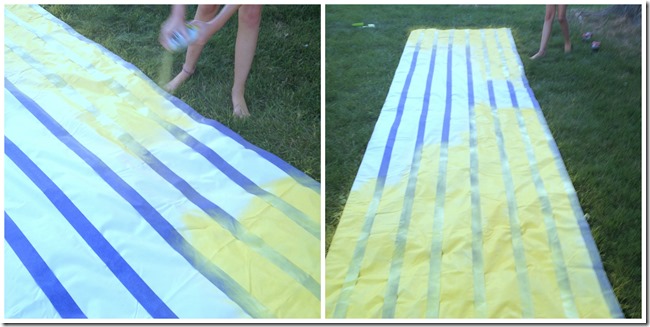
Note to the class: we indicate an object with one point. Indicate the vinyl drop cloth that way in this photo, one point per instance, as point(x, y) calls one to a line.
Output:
point(462, 206)
point(122, 202)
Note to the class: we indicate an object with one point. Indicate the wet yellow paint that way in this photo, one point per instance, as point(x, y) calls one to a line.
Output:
point(301, 197)
point(347, 232)
point(413, 38)
point(281, 233)
point(579, 265)
point(379, 251)
point(415, 273)
point(427, 40)
point(283, 296)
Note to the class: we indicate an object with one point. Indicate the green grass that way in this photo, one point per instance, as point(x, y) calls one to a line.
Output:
point(592, 103)
point(283, 88)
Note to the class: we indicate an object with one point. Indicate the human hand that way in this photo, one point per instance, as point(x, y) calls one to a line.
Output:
point(174, 23)
point(204, 32)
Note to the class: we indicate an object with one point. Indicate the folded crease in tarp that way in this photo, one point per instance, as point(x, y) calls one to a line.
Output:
point(122, 201)
point(462, 206)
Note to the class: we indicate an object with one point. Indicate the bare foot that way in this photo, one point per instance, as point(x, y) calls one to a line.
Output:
point(537, 55)
point(240, 109)
point(178, 80)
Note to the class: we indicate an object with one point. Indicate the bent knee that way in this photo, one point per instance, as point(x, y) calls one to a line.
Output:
point(206, 12)
point(251, 15)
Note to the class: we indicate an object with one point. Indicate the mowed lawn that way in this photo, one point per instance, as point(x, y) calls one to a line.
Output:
point(283, 89)
point(591, 101)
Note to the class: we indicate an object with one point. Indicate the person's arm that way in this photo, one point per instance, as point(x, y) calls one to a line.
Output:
point(175, 22)
point(207, 29)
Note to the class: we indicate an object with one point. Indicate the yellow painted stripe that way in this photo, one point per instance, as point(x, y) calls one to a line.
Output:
point(499, 264)
point(588, 297)
point(340, 254)
point(375, 266)
point(416, 256)
point(478, 266)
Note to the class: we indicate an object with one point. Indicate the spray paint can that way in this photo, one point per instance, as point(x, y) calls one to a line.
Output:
point(178, 42)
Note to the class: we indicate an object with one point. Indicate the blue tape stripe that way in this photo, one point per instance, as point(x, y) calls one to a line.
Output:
point(470, 76)
point(113, 260)
point(240, 179)
point(597, 265)
point(561, 272)
point(555, 246)
point(513, 215)
point(295, 173)
point(493, 102)
point(223, 218)
point(202, 264)
point(390, 299)
point(513, 95)
point(480, 305)
point(447, 118)
point(435, 260)
point(41, 272)
point(351, 277)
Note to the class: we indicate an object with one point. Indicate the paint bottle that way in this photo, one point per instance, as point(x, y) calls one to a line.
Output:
point(178, 42)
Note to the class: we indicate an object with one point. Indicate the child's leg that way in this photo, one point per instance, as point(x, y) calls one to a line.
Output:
point(204, 13)
point(561, 17)
point(249, 18)
point(546, 31)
